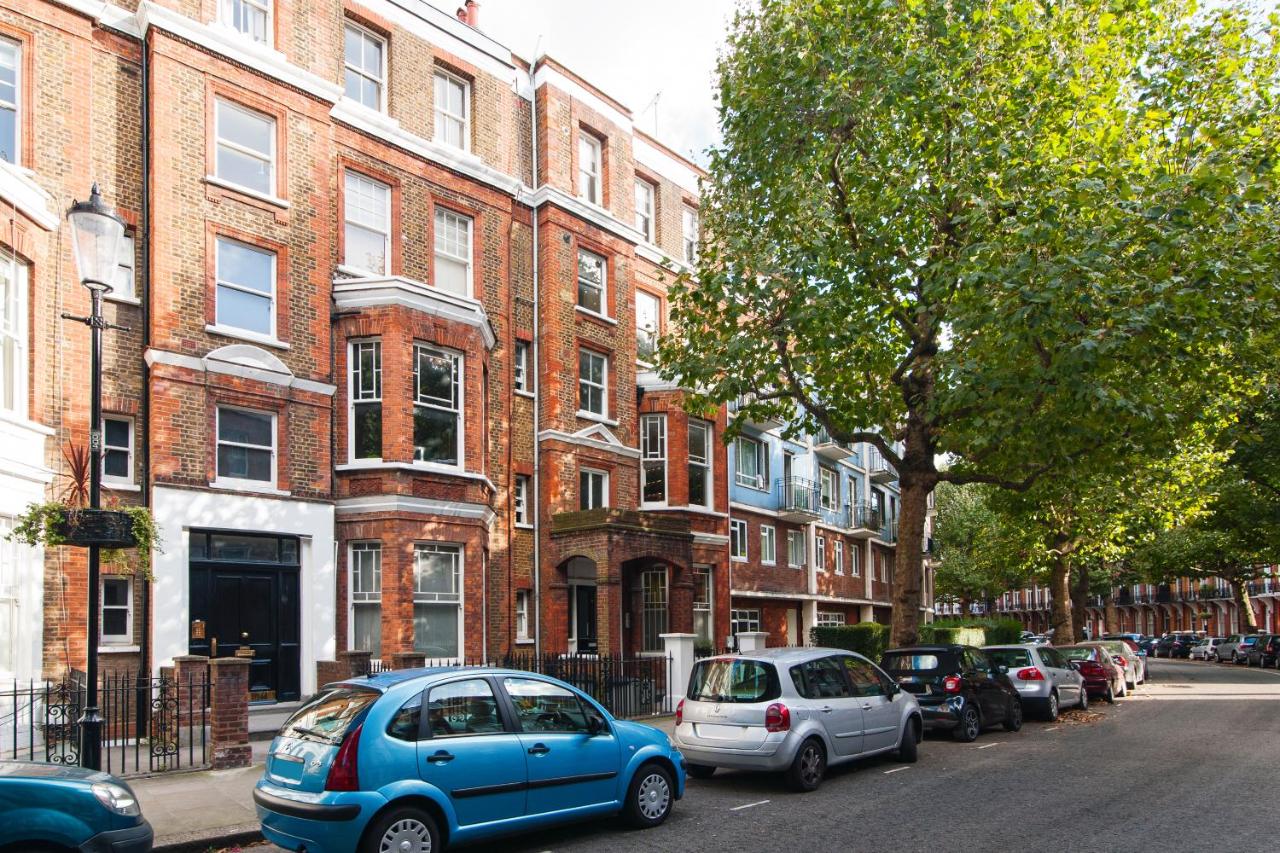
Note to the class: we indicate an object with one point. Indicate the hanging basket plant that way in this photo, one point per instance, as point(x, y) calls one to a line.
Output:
point(106, 528)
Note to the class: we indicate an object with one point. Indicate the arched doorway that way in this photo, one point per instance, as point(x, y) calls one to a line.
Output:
point(582, 605)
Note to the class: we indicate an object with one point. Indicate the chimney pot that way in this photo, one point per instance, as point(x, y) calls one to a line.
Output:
point(473, 13)
point(462, 14)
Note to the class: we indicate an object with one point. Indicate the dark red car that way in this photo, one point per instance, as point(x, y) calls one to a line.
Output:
point(1102, 677)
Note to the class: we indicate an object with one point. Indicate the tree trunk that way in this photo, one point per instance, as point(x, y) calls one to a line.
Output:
point(1112, 612)
point(1248, 620)
point(1079, 603)
point(965, 605)
point(908, 562)
point(1060, 591)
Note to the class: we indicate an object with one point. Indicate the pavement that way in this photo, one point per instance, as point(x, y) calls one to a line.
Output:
point(1186, 764)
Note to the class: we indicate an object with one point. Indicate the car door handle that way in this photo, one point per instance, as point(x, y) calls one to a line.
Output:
point(866, 707)
point(539, 749)
point(826, 709)
point(440, 757)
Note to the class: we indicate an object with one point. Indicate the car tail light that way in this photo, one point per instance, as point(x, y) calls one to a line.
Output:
point(1031, 673)
point(1120, 661)
point(951, 684)
point(1091, 667)
point(344, 773)
point(777, 718)
point(680, 712)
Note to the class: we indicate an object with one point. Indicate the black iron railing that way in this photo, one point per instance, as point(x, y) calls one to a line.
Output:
point(797, 495)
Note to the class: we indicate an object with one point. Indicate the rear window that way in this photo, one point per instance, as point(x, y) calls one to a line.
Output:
point(330, 713)
point(906, 662)
point(1010, 657)
point(733, 680)
point(1078, 653)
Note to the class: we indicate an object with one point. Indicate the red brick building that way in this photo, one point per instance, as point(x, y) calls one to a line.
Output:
point(390, 293)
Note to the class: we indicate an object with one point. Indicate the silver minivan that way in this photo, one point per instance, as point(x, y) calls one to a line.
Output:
point(794, 710)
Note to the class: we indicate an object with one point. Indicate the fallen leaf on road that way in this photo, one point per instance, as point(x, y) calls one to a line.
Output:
point(1076, 717)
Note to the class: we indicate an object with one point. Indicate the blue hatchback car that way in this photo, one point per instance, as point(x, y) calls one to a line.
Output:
point(53, 807)
point(415, 760)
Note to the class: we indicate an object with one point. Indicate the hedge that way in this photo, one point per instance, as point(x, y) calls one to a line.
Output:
point(868, 639)
point(973, 632)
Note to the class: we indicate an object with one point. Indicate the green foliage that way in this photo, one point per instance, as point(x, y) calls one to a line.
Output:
point(973, 632)
point(978, 554)
point(866, 638)
point(1004, 632)
point(41, 523)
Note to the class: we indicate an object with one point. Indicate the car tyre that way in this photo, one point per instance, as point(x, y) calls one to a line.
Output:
point(405, 828)
point(650, 796)
point(1111, 695)
point(1051, 710)
point(808, 767)
point(970, 725)
point(1013, 716)
point(1124, 689)
point(701, 771)
point(1083, 704)
point(909, 746)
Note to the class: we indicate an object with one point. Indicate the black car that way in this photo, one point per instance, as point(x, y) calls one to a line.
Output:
point(1244, 649)
point(1148, 645)
point(959, 688)
point(1264, 650)
point(1176, 645)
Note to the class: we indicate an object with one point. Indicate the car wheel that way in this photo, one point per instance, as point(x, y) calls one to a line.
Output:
point(1051, 713)
point(1124, 689)
point(1111, 695)
point(1084, 699)
point(701, 771)
point(808, 767)
point(1013, 716)
point(403, 829)
point(909, 746)
point(966, 731)
point(649, 797)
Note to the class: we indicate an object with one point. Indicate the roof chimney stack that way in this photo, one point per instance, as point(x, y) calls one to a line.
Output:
point(473, 13)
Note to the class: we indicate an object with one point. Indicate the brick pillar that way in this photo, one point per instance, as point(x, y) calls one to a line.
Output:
point(229, 712)
point(356, 663)
point(329, 671)
point(408, 660)
point(189, 682)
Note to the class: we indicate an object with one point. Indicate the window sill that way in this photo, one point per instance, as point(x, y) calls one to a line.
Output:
point(769, 562)
point(121, 487)
point(106, 648)
point(122, 299)
point(356, 272)
point(248, 486)
point(527, 641)
point(753, 488)
point(274, 201)
point(594, 315)
point(420, 467)
point(737, 559)
point(521, 393)
point(241, 335)
point(523, 525)
point(600, 419)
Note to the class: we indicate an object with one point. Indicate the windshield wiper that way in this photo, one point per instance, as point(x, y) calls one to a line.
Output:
point(313, 732)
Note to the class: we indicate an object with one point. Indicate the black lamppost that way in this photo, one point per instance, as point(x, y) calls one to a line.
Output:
point(96, 231)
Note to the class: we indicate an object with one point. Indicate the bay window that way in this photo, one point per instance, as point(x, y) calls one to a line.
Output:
point(366, 597)
point(437, 600)
point(437, 406)
point(653, 458)
point(700, 492)
point(365, 412)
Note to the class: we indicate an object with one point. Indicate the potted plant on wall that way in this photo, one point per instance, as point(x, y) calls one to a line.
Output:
point(67, 521)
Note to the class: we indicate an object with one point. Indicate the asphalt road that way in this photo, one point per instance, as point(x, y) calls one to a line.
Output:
point(1189, 763)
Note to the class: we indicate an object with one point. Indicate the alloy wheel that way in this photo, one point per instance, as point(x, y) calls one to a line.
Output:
point(811, 765)
point(406, 836)
point(1053, 707)
point(653, 796)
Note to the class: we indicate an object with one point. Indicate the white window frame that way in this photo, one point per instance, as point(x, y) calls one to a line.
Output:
point(655, 609)
point(435, 404)
point(236, 482)
point(744, 620)
point(586, 175)
point(760, 482)
point(645, 212)
point(830, 619)
point(602, 385)
point(520, 501)
point(219, 141)
point(349, 220)
point(125, 639)
point(705, 461)
point(855, 561)
point(442, 115)
point(704, 581)
point(820, 553)
point(520, 367)
point(522, 616)
point(108, 480)
point(739, 550)
point(828, 499)
point(380, 80)
point(796, 536)
point(455, 598)
point(16, 104)
point(126, 264)
point(650, 454)
point(689, 233)
point(603, 287)
point(14, 334)
point(839, 556)
point(226, 10)
point(604, 486)
point(219, 282)
point(443, 215)
point(355, 395)
point(651, 334)
point(768, 545)
point(363, 597)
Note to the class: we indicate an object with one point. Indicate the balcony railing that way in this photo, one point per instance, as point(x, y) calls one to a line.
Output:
point(862, 516)
point(797, 499)
point(828, 448)
point(889, 531)
point(879, 468)
point(763, 423)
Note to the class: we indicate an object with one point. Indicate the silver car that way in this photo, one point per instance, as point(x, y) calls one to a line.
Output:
point(1045, 679)
point(1226, 650)
point(1132, 666)
point(1207, 648)
point(794, 710)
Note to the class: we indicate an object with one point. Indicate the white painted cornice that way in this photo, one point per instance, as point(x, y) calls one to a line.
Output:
point(597, 437)
point(372, 291)
point(19, 190)
point(411, 504)
point(596, 215)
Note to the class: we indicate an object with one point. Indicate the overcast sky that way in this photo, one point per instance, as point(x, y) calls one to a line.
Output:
point(632, 51)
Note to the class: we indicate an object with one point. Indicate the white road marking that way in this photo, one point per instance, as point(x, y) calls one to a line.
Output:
point(989, 745)
point(748, 805)
point(1052, 729)
point(895, 770)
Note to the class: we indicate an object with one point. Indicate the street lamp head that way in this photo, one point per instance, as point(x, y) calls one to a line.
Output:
point(96, 232)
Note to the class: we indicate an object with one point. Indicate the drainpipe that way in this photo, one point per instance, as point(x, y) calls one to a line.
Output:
point(535, 371)
point(143, 677)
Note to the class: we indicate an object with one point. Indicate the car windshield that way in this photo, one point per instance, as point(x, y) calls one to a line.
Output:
point(1010, 657)
point(733, 680)
point(908, 662)
point(330, 713)
point(1079, 653)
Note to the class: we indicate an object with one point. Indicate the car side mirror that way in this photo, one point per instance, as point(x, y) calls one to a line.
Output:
point(892, 690)
point(595, 725)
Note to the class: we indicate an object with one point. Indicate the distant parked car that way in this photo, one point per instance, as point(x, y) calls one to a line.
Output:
point(1246, 644)
point(1128, 660)
point(1176, 645)
point(1148, 645)
point(417, 758)
point(1045, 680)
point(795, 710)
point(1206, 648)
point(1132, 641)
point(1102, 678)
point(1266, 651)
point(958, 687)
point(56, 807)
point(1226, 650)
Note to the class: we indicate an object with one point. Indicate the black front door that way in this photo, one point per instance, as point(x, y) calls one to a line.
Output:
point(244, 588)
point(584, 602)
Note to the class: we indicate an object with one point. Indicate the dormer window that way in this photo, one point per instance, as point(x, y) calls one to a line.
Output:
point(248, 17)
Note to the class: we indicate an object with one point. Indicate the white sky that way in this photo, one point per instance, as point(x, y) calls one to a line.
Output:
point(630, 50)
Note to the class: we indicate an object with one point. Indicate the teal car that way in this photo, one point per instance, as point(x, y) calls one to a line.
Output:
point(416, 760)
point(51, 807)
